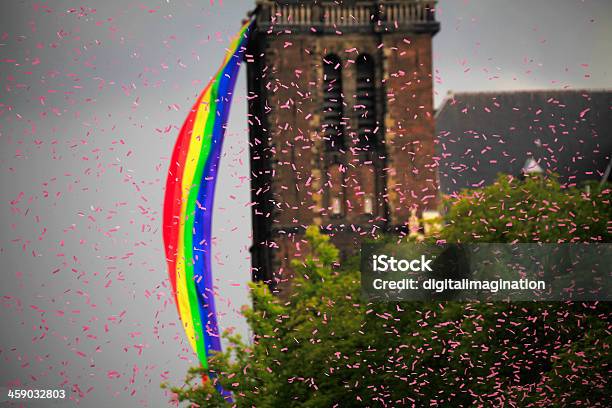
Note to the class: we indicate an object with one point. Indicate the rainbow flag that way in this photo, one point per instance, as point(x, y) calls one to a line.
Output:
point(188, 203)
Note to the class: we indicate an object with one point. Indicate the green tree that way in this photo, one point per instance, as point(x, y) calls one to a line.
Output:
point(324, 346)
point(536, 209)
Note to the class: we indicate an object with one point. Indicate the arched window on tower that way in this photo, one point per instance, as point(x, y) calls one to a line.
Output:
point(335, 185)
point(333, 101)
point(368, 187)
point(365, 103)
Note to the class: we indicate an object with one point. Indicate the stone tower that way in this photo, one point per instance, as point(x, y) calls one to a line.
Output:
point(341, 123)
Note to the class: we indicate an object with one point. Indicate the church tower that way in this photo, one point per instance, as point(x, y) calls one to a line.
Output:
point(341, 121)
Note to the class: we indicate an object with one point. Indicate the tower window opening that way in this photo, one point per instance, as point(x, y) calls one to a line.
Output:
point(336, 189)
point(365, 103)
point(367, 176)
point(336, 206)
point(333, 102)
point(368, 204)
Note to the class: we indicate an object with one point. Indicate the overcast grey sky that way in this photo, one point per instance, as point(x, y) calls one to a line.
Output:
point(91, 98)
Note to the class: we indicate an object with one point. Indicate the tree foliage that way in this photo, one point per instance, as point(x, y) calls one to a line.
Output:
point(536, 209)
point(326, 347)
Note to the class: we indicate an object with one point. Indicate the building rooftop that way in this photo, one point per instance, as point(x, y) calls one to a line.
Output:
point(481, 134)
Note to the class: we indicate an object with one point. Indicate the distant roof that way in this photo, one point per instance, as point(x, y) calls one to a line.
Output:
point(486, 133)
